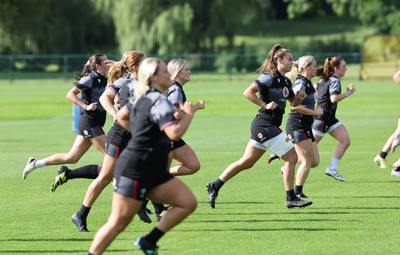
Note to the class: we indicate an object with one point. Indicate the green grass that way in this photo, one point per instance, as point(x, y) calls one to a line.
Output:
point(359, 216)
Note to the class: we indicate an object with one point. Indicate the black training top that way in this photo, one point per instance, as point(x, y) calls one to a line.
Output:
point(151, 114)
point(276, 88)
point(91, 87)
point(303, 84)
point(325, 89)
point(176, 94)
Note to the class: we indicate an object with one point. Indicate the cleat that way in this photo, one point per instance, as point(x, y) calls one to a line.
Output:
point(297, 203)
point(30, 166)
point(272, 157)
point(395, 172)
point(146, 247)
point(142, 213)
point(334, 173)
point(396, 142)
point(301, 195)
point(60, 179)
point(80, 223)
point(282, 169)
point(212, 193)
point(381, 162)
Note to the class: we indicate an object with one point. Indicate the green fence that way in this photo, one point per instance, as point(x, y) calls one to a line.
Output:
point(63, 66)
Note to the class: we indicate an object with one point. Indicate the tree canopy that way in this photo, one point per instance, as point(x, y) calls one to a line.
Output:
point(163, 26)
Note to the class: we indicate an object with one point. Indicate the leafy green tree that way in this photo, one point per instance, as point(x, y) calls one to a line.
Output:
point(51, 26)
point(383, 15)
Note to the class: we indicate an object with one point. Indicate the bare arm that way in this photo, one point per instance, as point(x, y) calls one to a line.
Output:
point(175, 131)
point(251, 94)
point(339, 97)
point(122, 116)
point(396, 77)
point(72, 96)
point(305, 111)
point(107, 101)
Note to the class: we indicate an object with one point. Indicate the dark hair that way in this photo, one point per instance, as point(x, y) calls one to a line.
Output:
point(89, 66)
point(328, 69)
point(270, 64)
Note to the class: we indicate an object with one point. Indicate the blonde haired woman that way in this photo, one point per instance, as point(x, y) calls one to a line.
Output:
point(141, 169)
point(299, 122)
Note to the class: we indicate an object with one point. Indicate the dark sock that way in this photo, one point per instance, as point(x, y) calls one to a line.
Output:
point(290, 195)
point(218, 183)
point(88, 172)
point(158, 208)
point(383, 154)
point(397, 168)
point(298, 189)
point(154, 236)
point(83, 212)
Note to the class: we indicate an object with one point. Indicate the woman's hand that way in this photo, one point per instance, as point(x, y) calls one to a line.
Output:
point(91, 107)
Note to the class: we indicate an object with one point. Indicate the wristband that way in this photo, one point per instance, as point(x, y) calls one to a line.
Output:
point(348, 93)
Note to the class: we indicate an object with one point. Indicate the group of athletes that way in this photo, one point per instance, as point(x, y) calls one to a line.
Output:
point(151, 114)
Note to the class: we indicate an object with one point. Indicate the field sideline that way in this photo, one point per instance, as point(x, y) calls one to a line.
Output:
point(359, 216)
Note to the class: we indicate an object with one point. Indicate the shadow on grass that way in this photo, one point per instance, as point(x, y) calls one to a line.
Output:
point(267, 220)
point(55, 251)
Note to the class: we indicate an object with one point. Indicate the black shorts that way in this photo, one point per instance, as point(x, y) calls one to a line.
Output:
point(90, 128)
point(139, 188)
point(299, 132)
point(261, 132)
point(117, 140)
point(300, 135)
point(177, 144)
point(323, 126)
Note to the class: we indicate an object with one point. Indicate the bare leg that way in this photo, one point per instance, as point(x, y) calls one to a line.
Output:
point(79, 148)
point(308, 155)
point(249, 158)
point(98, 185)
point(289, 168)
point(189, 162)
point(340, 133)
point(122, 213)
point(181, 199)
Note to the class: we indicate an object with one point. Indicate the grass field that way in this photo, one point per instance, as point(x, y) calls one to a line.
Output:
point(358, 216)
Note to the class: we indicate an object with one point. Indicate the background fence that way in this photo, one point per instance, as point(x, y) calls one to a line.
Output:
point(63, 66)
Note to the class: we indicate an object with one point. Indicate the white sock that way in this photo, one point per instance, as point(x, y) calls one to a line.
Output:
point(334, 163)
point(40, 163)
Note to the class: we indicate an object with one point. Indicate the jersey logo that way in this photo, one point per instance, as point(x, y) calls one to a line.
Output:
point(285, 92)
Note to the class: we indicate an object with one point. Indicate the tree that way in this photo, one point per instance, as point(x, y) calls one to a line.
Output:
point(51, 26)
point(383, 15)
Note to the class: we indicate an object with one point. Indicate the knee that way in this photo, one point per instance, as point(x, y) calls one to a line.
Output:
point(346, 143)
point(72, 159)
point(191, 205)
point(104, 179)
point(195, 167)
point(315, 163)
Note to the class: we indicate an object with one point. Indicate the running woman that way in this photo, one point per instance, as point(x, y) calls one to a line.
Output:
point(274, 90)
point(329, 95)
point(92, 82)
point(141, 170)
point(298, 125)
point(181, 151)
point(121, 76)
